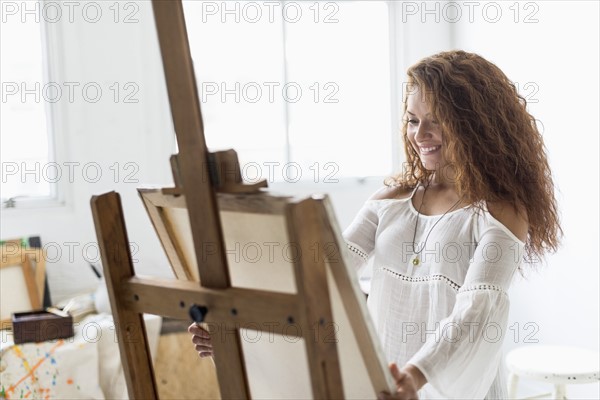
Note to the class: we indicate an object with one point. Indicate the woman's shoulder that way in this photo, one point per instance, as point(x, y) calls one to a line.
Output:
point(392, 193)
point(514, 219)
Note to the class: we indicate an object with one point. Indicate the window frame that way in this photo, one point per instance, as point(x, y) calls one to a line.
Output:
point(51, 49)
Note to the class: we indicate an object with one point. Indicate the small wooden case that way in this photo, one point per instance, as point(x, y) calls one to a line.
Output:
point(39, 326)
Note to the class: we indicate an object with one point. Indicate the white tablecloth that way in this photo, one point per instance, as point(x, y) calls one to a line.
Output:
point(86, 366)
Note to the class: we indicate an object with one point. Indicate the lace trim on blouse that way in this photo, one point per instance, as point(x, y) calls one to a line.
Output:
point(358, 251)
point(455, 286)
point(481, 286)
point(437, 277)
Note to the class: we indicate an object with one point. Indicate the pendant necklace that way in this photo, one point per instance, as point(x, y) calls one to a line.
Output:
point(416, 261)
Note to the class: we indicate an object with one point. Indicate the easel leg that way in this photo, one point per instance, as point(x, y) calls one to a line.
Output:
point(118, 269)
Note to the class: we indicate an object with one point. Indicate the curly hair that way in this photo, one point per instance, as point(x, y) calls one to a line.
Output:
point(490, 140)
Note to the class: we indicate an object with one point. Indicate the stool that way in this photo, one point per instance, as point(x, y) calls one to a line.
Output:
point(558, 365)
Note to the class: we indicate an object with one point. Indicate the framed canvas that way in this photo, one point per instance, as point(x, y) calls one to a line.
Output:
point(18, 289)
point(261, 256)
point(31, 246)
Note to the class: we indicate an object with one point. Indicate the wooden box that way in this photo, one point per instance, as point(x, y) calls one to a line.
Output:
point(39, 326)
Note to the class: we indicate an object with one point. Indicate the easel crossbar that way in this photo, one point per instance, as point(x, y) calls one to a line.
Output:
point(254, 203)
point(235, 306)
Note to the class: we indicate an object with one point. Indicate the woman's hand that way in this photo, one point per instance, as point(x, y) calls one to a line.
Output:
point(408, 382)
point(201, 338)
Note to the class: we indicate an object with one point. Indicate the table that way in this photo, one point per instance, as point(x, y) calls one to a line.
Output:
point(86, 366)
point(558, 365)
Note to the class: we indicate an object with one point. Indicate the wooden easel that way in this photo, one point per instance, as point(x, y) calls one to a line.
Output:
point(326, 298)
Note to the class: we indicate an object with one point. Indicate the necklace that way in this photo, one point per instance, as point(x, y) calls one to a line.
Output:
point(416, 260)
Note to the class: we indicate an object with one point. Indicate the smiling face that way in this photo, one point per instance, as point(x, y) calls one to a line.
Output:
point(424, 133)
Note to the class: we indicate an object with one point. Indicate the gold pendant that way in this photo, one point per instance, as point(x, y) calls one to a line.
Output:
point(415, 261)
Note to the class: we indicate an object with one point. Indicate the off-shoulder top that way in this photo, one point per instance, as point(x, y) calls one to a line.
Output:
point(448, 314)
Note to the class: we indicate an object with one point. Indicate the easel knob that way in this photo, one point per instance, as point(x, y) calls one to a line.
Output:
point(198, 313)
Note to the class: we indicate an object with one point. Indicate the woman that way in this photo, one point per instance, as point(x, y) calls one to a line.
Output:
point(446, 235)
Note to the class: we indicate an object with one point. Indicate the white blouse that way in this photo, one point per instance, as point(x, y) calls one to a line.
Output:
point(448, 314)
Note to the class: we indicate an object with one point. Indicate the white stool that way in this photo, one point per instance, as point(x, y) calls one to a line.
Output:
point(558, 365)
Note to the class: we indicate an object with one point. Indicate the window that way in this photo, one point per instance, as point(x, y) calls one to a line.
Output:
point(294, 87)
point(300, 89)
point(27, 158)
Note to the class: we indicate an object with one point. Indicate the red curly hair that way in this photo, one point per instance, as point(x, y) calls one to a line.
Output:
point(491, 141)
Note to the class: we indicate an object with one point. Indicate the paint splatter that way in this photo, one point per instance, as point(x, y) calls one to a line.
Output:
point(69, 381)
point(30, 373)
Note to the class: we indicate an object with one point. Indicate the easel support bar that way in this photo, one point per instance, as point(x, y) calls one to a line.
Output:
point(118, 269)
point(235, 306)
